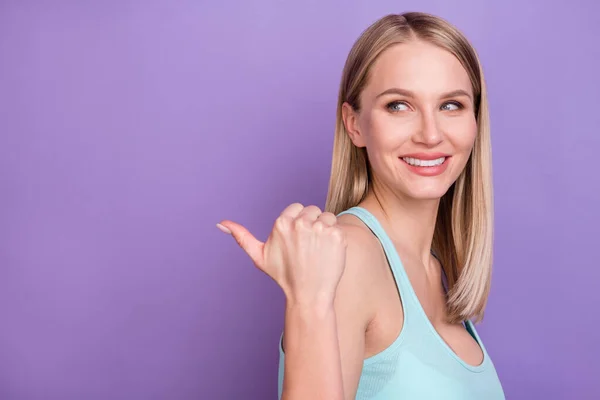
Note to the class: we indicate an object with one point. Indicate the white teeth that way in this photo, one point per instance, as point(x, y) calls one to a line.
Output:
point(424, 163)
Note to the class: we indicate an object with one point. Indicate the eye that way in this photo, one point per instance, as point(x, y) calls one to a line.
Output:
point(397, 106)
point(452, 106)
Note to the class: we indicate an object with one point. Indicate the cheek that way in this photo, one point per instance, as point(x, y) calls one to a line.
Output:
point(464, 134)
point(381, 140)
point(385, 132)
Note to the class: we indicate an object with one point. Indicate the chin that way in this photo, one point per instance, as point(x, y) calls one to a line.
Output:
point(433, 192)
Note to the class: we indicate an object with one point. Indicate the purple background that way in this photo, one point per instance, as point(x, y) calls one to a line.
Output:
point(128, 129)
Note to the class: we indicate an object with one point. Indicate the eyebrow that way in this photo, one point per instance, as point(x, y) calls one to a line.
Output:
point(408, 93)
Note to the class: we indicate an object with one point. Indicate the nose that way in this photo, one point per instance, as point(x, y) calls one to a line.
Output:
point(428, 133)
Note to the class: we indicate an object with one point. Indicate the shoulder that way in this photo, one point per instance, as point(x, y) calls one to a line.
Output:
point(362, 243)
point(364, 256)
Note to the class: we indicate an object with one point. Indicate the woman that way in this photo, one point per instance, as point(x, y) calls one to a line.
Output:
point(381, 288)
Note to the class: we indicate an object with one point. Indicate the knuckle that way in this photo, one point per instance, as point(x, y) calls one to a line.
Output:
point(330, 218)
point(300, 223)
point(241, 241)
point(338, 235)
point(297, 208)
point(282, 223)
point(294, 206)
point(319, 226)
point(313, 208)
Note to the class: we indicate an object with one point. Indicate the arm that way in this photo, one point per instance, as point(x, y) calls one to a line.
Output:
point(312, 361)
point(324, 345)
point(306, 254)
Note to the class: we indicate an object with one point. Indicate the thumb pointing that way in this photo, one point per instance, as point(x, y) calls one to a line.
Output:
point(252, 246)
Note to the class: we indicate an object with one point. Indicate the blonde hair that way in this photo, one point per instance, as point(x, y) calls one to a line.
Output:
point(464, 229)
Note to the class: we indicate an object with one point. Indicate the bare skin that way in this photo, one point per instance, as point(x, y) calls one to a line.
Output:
point(359, 304)
point(305, 255)
point(369, 309)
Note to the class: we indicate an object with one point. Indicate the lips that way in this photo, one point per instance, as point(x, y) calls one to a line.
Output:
point(431, 164)
point(426, 156)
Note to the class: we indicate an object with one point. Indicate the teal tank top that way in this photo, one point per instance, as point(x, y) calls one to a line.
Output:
point(418, 364)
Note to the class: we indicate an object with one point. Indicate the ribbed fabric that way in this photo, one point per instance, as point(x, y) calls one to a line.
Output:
point(418, 364)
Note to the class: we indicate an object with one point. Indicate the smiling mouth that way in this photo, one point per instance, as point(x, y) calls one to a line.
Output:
point(424, 163)
point(427, 165)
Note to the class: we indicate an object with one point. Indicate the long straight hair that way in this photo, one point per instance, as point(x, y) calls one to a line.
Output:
point(463, 233)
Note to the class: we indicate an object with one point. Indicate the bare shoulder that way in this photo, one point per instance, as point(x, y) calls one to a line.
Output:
point(363, 256)
point(362, 243)
point(355, 304)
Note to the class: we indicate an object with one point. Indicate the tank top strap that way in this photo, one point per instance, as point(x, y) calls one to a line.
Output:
point(400, 276)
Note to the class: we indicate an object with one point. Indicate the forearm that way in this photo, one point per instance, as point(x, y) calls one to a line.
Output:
point(312, 355)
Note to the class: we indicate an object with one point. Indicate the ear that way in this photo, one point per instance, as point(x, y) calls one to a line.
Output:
point(350, 118)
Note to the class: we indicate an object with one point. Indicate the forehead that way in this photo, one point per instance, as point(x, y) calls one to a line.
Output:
point(420, 67)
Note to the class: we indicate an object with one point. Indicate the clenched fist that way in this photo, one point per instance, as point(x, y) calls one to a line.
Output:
point(305, 253)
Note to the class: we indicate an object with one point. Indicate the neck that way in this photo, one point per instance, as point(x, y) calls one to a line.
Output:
point(409, 222)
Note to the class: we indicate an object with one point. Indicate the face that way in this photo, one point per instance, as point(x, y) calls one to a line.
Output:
point(416, 120)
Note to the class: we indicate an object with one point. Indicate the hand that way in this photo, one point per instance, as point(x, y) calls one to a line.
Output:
point(305, 253)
